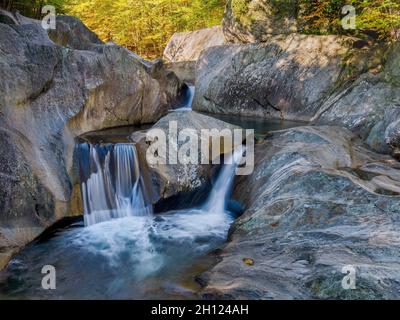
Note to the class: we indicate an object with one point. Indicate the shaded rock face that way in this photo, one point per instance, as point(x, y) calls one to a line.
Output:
point(360, 106)
point(256, 20)
point(15, 18)
point(184, 48)
point(369, 106)
point(25, 204)
point(317, 201)
point(7, 17)
point(171, 179)
point(49, 94)
point(289, 77)
point(184, 70)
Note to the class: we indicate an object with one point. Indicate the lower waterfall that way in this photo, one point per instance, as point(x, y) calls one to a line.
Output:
point(123, 251)
point(112, 185)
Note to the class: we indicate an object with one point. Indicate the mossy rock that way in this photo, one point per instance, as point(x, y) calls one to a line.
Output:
point(252, 20)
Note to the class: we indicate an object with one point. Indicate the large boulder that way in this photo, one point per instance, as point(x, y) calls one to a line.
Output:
point(328, 80)
point(318, 205)
point(289, 77)
point(256, 20)
point(171, 179)
point(187, 46)
point(184, 48)
point(50, 94)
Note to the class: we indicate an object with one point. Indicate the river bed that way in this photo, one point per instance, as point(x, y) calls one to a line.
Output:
point(145, 256)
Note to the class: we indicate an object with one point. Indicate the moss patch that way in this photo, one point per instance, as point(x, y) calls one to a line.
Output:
point(240, 9)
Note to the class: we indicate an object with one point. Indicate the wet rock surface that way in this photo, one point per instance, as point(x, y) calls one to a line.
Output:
point(318, 200)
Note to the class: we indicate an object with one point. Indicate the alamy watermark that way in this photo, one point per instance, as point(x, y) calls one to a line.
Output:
point(349, 20)
point(49, 20)
point(349, 281)
point(205, 146)
point(49, 280)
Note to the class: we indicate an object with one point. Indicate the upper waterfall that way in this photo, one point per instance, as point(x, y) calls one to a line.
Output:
point(187, 102)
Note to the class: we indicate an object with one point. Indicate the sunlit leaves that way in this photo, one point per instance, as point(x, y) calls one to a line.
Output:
point(146, 26)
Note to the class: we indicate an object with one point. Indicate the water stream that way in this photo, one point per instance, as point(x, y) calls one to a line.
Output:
point(187, 101)
point(124, 251)
point(121, 249)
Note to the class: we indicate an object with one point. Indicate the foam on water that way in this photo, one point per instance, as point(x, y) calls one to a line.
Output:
point(124, 252)
point(114, 187)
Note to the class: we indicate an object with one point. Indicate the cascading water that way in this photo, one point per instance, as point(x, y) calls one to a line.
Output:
point(187, 102)
point(112, 185)
point(131, 254)
point(221, 190)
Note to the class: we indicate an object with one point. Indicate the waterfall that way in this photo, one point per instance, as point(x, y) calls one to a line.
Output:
point(111, 183)
point(222, 187)
point(187, 102)
point(131, 254)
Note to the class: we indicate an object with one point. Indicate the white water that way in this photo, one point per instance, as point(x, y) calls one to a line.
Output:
point(188, 101)
point(115, 187)
point(124, 238)
point(220, 192)
point(131, 254)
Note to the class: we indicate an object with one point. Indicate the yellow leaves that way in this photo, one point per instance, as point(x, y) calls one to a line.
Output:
point(248, 261)
point(146, 26)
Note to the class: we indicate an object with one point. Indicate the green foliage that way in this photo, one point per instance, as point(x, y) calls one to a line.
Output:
point(324, 16)
point(321, 16)
point(240, 9)
point(146, 26)
point(382, 16)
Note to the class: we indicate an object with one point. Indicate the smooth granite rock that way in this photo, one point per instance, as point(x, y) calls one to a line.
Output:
point(318, 201)
point(287, 78)
point(184, 49)
point(249, 21)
